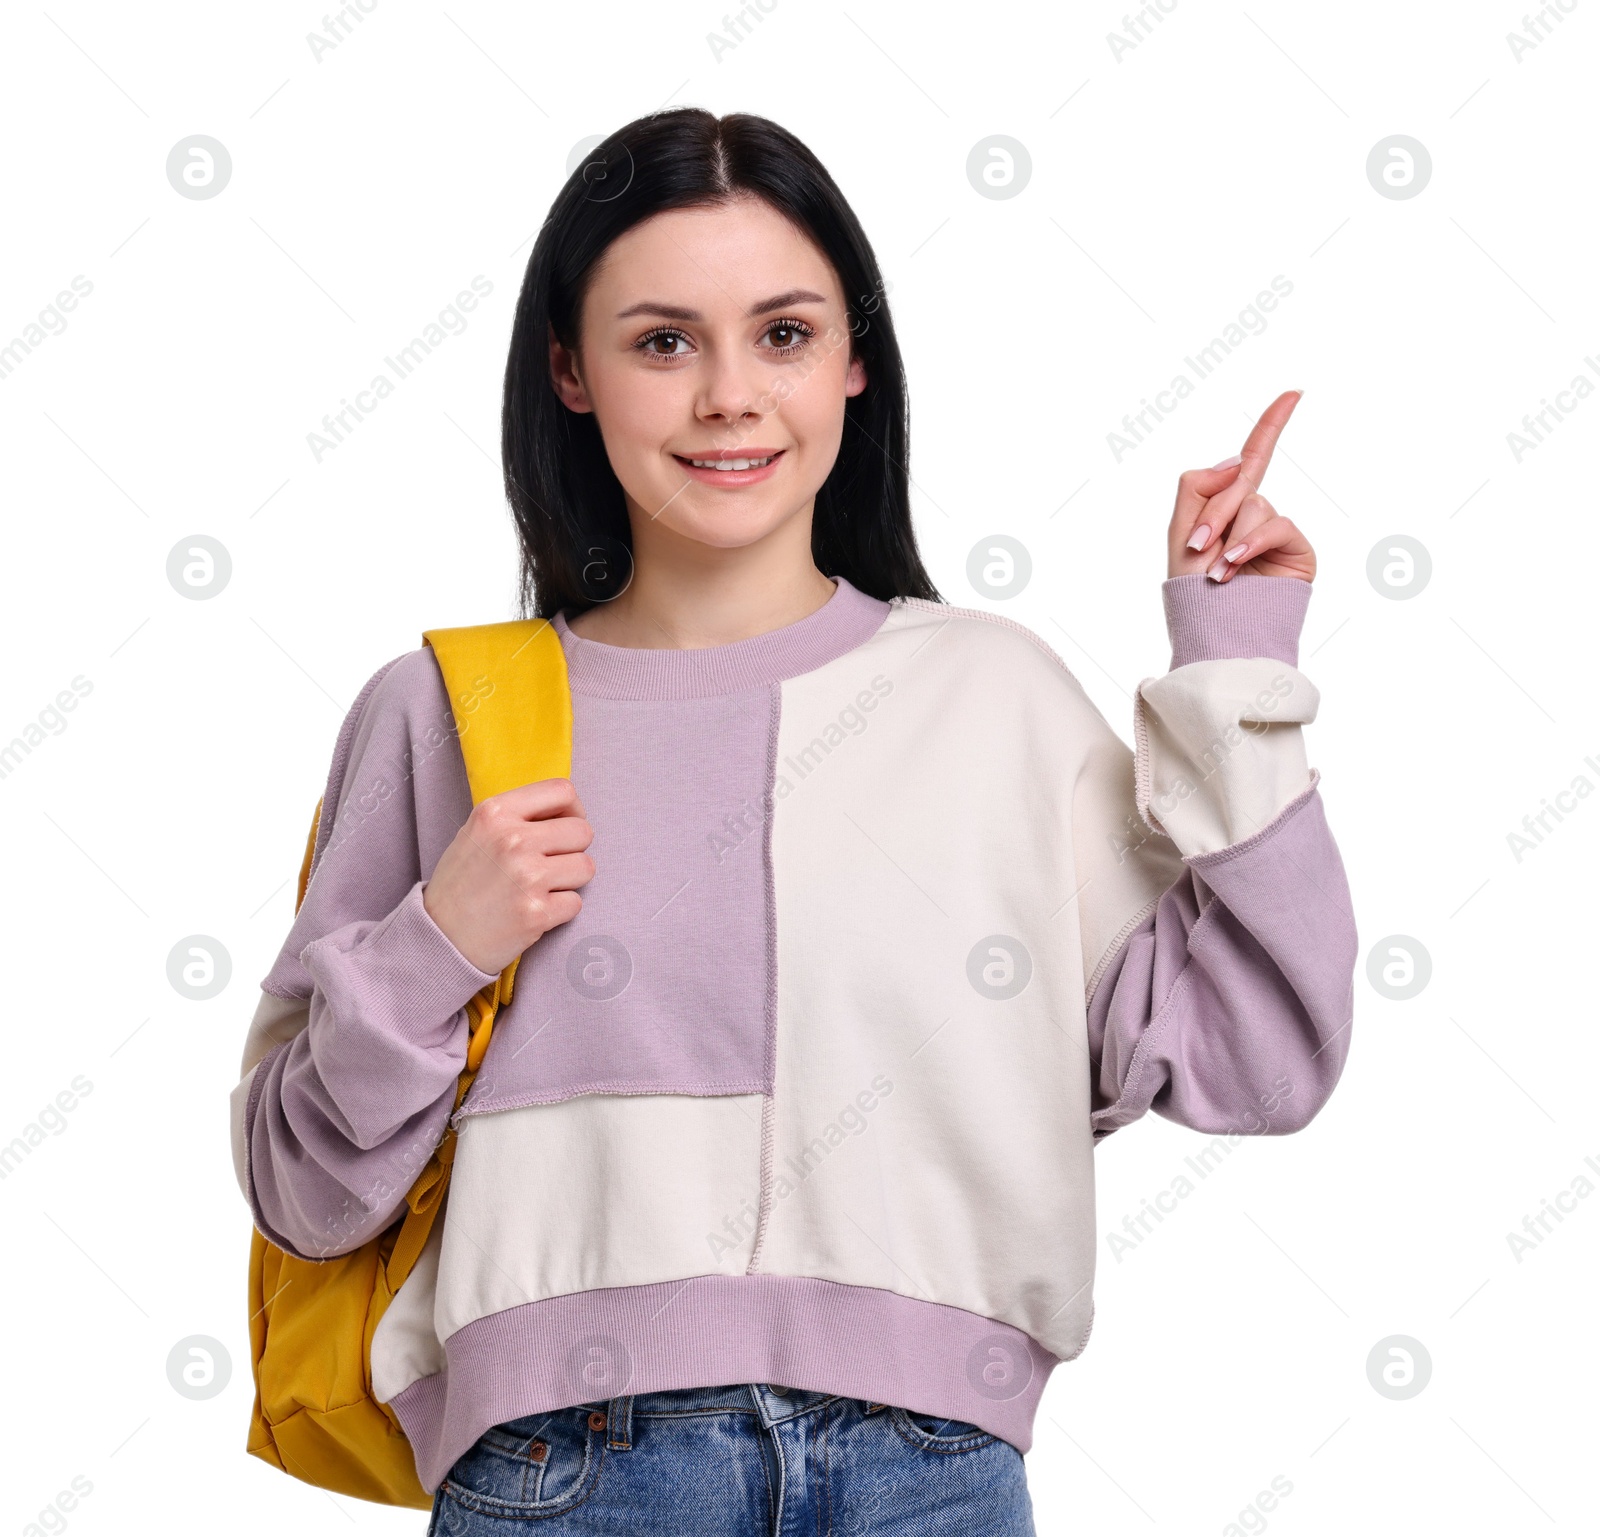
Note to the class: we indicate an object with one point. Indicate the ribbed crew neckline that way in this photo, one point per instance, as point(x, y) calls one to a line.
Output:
point(849, 618)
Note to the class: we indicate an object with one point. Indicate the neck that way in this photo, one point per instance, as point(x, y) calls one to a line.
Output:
point(686, 595)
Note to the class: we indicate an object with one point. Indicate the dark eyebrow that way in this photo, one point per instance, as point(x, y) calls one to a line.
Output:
point(678, 312)
point(784, 300)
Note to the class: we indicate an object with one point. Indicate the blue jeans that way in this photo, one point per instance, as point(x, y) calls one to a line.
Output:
point(748, 1460)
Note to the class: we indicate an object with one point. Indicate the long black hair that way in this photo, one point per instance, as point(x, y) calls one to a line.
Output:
point(568, 505)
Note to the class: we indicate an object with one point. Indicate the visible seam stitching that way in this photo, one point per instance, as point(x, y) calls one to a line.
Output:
point(927, 605)
point(341, 763)
point(1203, 924)
point(1083, 1343)
point(1286, 814)
point(770, 999)
point(1111, 951)
point(764, 1204)
point(1140, 1060)
point(561, 1096)
point(825, 1515)
point(1141, 761)
point(769, 891)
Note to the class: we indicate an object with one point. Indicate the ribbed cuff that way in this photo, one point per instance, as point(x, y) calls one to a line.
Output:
point(1247, 616)
point(258, 1081)
point(404, 972)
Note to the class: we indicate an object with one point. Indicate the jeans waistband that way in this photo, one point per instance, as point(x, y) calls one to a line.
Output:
point(770, 1402)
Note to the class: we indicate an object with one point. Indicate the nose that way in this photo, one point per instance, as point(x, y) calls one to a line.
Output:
point(734, 390)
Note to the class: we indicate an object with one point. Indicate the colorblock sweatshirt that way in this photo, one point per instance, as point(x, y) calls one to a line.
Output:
point(888, 929)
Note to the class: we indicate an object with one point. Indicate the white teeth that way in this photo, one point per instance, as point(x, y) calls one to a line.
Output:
point(730, 464)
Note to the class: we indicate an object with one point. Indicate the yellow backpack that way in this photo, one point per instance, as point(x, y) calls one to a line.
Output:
point(311, 1322)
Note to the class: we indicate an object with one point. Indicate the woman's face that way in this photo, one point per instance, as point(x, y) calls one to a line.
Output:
point(714, 334)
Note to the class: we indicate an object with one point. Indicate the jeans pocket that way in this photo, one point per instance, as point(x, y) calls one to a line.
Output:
point(539, 1465)
point(933, 1433)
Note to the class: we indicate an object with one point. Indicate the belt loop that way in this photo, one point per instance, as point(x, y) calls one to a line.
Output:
point(619, 1430)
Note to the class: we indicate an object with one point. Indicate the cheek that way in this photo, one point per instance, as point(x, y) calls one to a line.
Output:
point(637, 413)
point(815, 410)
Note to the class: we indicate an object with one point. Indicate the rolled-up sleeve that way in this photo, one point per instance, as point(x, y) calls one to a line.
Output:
point(1226, 1004)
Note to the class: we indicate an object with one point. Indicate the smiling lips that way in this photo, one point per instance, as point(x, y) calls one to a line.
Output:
point(731, 466)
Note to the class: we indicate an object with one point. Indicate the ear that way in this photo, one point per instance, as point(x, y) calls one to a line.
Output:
point(855, 380)
point(564, 376)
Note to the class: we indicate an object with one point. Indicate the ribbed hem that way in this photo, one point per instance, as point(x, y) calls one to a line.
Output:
point(821, 1336)
point(404, 971)
point(1247, 616)
point(848, 619)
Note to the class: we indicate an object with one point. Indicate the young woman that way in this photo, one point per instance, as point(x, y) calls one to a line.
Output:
point(855, 927)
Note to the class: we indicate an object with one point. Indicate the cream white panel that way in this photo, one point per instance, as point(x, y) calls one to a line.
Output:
point(405, 1345)
point(276, 1020)
point(950, 1153)
point(599, 1190)
point(1220, 749)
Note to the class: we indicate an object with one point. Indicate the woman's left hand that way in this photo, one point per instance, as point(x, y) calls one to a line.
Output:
point(1221, 524)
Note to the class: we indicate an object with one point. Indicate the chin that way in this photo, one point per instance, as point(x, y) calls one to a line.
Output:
point(727, 521)
point(723, 532)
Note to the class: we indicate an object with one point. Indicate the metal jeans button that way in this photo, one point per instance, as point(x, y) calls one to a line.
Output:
point(782, 1392)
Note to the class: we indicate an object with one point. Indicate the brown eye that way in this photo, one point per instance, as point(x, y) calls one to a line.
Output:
point(661, 343)
point(788, 335)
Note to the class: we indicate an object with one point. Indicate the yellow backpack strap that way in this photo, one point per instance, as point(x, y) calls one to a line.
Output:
point(513, 713)
point(305, 863)
point(508, 691)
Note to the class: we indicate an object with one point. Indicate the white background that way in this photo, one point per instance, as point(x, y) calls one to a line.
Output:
point(1169, 185)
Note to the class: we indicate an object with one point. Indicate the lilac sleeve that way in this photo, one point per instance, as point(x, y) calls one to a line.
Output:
point(1228, 1008)
point(341, 1117)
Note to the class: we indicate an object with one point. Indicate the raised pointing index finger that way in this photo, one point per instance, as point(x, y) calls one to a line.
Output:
point(1257, 451)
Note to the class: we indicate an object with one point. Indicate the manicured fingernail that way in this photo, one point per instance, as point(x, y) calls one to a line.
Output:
point(1228, 464)
point(1201, 537)
point(1235, 552)
point(1216, 569)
